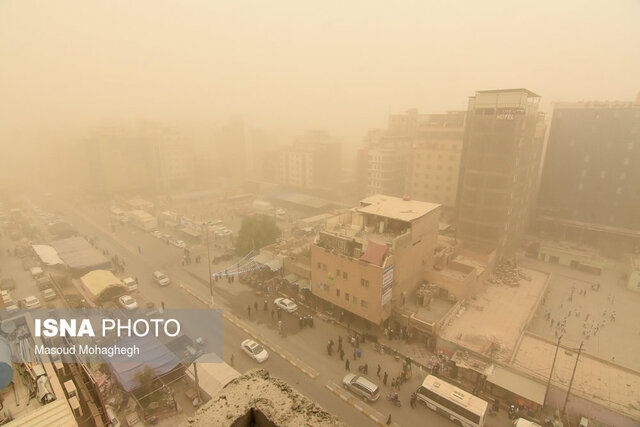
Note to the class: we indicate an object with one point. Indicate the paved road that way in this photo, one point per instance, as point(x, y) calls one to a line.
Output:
point(308, 345)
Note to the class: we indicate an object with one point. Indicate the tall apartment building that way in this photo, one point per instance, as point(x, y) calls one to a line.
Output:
point(501, 153)
point(313, 161)
point(589, 185)
point(433, 166)
point(417, 155)
point(373, 256)
point(139, 158)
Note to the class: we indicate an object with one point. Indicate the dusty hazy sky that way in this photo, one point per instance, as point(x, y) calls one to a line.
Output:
point(289, 65)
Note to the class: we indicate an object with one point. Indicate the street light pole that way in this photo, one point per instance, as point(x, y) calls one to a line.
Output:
point(564, 407)
point(544, 402)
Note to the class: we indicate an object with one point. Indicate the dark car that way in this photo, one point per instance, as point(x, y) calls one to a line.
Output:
point(76, 301)
point(7, 283)
point(44, 283)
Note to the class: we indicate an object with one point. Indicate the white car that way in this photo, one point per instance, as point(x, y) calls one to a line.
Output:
point(156, 234)
point(127, 302)
point(280, 212)
point(160, 278)
point(180, 243)
point(30, 302)
point(286, 304)
point(49, 294)
point(130, 283)
point(254, 350)
point(36, 272)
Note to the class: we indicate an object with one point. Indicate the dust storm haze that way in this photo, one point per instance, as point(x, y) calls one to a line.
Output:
point(288, 66)
point(449, 188)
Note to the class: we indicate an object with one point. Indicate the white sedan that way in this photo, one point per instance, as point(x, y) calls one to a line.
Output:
point(286, 304)
point(127, 302)
point(179, 243)
point(254, 350)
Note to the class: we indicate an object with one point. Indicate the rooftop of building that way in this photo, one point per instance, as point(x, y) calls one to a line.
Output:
point(597, 380)
point(492, 320)
point(435, 311)
point(595, 104)
point(395, 207)
point(256, 398)
point(527, 91)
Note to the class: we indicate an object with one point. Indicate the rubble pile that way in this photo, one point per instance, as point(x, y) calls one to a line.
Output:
point(257, 392)
point(508, 274)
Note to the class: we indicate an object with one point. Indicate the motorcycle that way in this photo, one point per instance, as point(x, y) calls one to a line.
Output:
point(394, 399)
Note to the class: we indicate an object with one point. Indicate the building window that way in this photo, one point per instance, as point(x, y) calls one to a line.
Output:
point(355, 299)
point(346, 296)
point(345, 275)
point(364, 283)
point(363, 303)
point(337, 292)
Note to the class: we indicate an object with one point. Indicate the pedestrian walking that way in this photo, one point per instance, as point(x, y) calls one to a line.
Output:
point(255, 307)
point(414, 397)
point(346, 364)
point(265, 306)
point(139, 250)
point(389, 420)
point(162, 304)
point(341, 351)
point(249, 310)
point(366, 369)
point(355, 354)
point(378, 373)
point(384, 379)
point(272, 314)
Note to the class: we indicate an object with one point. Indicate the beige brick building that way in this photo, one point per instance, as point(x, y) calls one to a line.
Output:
point(374, 256)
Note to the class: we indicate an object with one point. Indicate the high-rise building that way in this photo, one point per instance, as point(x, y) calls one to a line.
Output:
point(589, 185)
point(372, 257)
point(139, 158)
point(313, 161)
point(433, 165)
point(503, 141)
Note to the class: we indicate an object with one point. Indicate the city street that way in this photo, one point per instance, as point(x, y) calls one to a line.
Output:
point(144, 253)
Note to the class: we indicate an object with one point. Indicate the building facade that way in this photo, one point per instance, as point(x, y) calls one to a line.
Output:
point(313, 161)
point(372, 257)
point(503, 142)
point(589, 184)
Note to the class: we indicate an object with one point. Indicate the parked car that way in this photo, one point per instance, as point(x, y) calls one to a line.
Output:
point(286, 304)
point(361, 386)
point(179, 243)
point(36, 272)
point(7, 299)
point(130, 283)
point(7, 283)
point(127, 302)
point(44, 282)
point(160, 278)
point(30, 302)
point(49, 294)
point(254, 350)
point(112, 417)
point(156, 234)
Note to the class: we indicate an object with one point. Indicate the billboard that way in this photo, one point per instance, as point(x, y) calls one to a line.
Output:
point(387, 284)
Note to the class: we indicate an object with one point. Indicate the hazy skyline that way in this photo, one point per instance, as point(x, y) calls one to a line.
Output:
point(289, 66)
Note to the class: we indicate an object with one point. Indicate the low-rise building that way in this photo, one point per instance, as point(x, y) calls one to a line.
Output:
point(372, 257)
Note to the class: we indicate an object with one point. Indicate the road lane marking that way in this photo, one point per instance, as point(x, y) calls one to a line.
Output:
point(364, 409)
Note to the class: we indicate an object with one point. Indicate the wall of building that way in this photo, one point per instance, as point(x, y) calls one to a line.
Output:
point(326, 284)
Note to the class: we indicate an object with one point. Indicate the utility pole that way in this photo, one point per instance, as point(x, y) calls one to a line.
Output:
point(195, 374)
point(564, 407)
point(546, 393)
point(206, 228)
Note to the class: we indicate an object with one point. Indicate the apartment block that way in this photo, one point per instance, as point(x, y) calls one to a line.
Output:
point(501, 154)
point(313, 161)
point(433, 166)
point(589, 184)
point(372, 257)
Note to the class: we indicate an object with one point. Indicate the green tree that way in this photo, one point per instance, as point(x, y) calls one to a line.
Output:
point(255, 233)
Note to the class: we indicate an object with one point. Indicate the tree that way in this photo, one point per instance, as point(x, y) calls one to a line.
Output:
point(255, 233)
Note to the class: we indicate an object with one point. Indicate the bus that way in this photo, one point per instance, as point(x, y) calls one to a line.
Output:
point(459, 406)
